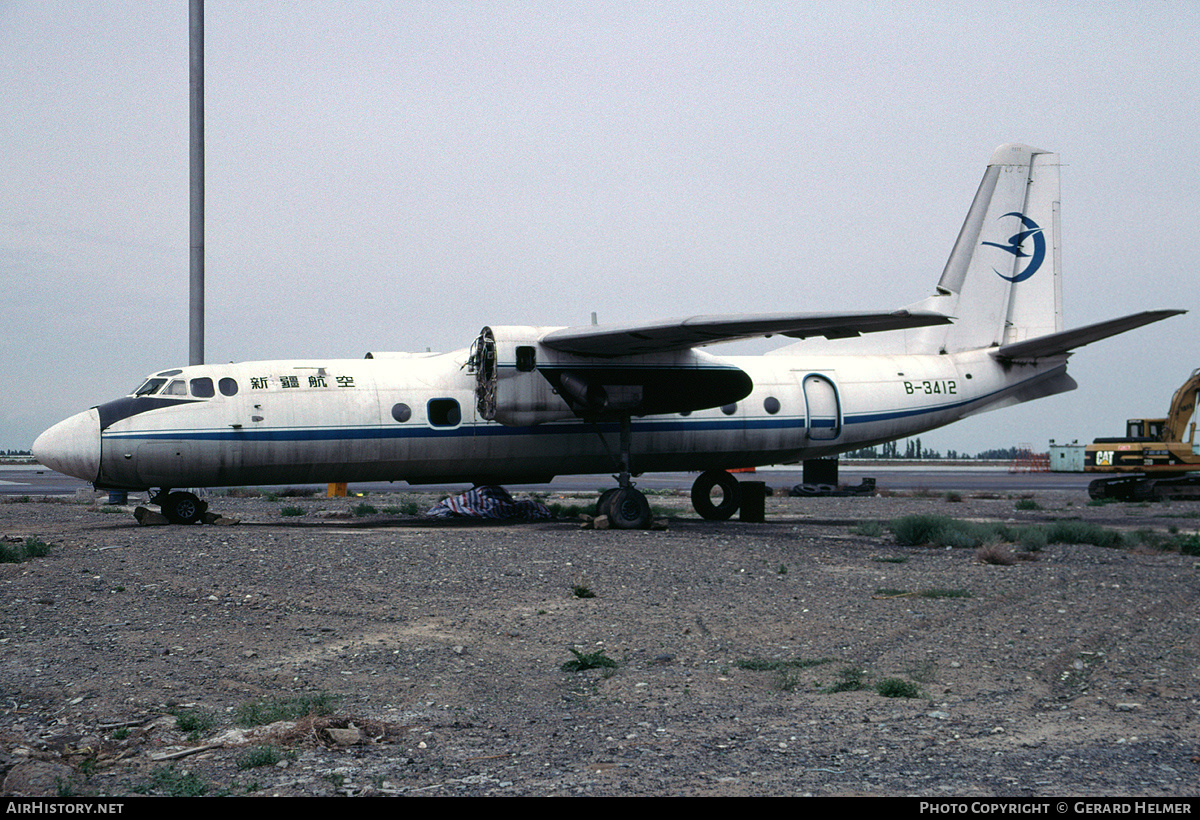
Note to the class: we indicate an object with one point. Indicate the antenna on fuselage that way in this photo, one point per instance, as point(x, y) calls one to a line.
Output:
point(196, 279)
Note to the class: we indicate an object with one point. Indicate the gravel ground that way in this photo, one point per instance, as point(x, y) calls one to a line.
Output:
point(440, 647)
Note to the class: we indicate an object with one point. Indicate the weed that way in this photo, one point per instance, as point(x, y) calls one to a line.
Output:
point(782, 569)
point(258, 756)
point(593, 660)
point(173, 783)
point(897, 688)
point(292, 511)
point(560, 510)
point(1027, 504)
point(786, 681)
point(16, 553)
point(271, 710)
point(953, 497)
point(581, 588)
point(1082, 532)
point(871, 529)
point(120, 734)
point(945, 593)
point(889, 559)
point(364, 508)
point(194, 721)
point(849, 680)
point(763, 665)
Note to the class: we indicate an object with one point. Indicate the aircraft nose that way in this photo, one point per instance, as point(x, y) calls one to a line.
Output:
point(72, 446)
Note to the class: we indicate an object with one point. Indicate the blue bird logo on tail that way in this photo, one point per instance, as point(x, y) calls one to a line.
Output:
point(1032, 229)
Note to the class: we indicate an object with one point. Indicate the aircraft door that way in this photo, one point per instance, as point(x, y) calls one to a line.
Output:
point(824, 410)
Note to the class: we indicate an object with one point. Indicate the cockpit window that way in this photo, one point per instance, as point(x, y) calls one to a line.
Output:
point(228, 386)
point(203, 388)
point(150, 387)
point(178, 387)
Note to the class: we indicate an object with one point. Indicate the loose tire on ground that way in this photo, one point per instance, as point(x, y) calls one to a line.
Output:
point(702, 495)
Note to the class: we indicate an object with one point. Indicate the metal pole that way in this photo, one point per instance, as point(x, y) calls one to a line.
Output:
point(196, 281)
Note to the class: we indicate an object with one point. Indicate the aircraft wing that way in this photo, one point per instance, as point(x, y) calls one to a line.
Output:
point(1057, 344)
point(696, 331)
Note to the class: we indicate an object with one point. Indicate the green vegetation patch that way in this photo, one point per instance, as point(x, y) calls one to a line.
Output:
point(897, 688)
point(272, 710)
point(259, 756)
point(592, 660)
point(171, 782)
point(764, 665)
point(15, 553)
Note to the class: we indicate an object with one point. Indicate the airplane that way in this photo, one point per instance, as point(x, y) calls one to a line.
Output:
point(523, 404)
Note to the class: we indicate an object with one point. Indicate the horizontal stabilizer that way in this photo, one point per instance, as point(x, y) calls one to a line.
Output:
point(696, 331)
point(1057, 344)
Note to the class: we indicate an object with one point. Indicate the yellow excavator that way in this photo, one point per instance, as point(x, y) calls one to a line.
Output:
point(1153, 458)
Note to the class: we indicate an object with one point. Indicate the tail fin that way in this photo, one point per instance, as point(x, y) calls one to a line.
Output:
point(1002, 281)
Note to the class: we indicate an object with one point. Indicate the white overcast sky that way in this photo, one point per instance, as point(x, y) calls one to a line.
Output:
point(394, 176)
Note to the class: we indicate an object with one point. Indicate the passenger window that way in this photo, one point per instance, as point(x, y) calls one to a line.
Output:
point(228, 386)
point(203, 388)
point(444, 412)
point(401, 412)
point(176, 388)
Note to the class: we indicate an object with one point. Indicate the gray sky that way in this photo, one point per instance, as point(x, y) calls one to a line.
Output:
point(395, 176)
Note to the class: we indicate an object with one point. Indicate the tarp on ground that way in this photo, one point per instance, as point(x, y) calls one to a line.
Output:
point(490, 502)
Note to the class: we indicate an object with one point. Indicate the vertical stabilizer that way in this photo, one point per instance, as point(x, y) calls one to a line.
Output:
point(1002, 282)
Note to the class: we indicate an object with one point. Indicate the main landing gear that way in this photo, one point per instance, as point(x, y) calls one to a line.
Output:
point(625, 506)
point(716, 495)
point(179, 507)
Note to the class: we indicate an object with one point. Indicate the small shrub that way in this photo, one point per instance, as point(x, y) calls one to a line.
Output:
point(364, 508)
point(995, 554)
point(16, 553)
point(1027, 504)
point(953, 497)
point(292, 511)
point(593, 660)
point(897, 688)
point(1032, 539)
point(849, 680)
point(1082, 532)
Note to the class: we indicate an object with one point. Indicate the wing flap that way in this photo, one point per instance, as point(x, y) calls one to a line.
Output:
point(697, 331)
point(1063, 342)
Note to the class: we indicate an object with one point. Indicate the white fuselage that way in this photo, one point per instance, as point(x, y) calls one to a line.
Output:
point(415, 419)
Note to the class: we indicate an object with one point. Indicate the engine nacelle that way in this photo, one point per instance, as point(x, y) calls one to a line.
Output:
point(508, 387)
